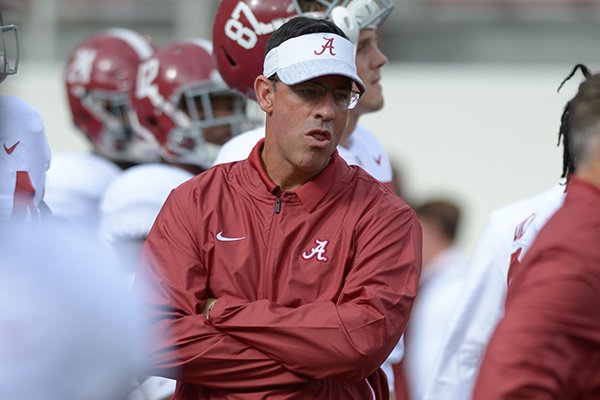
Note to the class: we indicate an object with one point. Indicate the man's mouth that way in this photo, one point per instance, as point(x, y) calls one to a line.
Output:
point(320, 135)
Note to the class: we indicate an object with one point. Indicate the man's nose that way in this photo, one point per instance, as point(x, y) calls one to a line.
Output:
point(326, 107)
point(379, 58)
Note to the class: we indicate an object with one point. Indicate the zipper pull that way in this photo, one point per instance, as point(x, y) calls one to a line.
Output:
point(278, 204)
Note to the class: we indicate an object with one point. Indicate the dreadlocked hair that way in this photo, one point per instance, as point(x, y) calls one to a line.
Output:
point(584, 70)
point(563, 132)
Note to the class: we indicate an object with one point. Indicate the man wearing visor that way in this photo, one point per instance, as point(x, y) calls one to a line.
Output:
point(240, 32)
point(290, 274)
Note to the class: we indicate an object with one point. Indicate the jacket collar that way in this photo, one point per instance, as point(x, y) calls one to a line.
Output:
point(312, 192)
point(580, 185)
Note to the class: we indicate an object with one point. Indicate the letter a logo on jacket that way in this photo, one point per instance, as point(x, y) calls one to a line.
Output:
point(318, 250)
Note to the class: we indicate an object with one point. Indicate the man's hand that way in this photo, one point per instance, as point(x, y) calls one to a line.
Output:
point(208, 305)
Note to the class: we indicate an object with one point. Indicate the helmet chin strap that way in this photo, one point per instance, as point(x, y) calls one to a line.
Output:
point(347, 22)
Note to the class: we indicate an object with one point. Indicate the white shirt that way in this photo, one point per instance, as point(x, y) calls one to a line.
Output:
point(441, 284)
point(363, 150)
point(394, 358)
point(482, 301)
point(367, 152)
point(239, 147)
point(76, 183)
point(132, 201)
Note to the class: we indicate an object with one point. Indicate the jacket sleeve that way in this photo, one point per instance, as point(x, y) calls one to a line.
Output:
point(172, 284)
point(551, 322)
point(348, 339)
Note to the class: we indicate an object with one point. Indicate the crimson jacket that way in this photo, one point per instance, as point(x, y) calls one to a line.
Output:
point(314, 287)
point(547, 346)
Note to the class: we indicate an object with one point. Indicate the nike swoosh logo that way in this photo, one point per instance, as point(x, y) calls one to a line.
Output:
point(228, 239)
point(10, 149)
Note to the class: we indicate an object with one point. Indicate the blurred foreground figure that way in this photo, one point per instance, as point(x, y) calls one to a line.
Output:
point(547, 346)
point(68, 323)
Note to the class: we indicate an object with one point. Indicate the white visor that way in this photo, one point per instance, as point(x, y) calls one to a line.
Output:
point(310, 56)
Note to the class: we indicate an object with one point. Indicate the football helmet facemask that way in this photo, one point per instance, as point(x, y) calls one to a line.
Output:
point(9, 49)
point(181, 98)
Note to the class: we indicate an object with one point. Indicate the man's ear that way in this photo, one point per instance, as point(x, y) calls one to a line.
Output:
point(264, 89)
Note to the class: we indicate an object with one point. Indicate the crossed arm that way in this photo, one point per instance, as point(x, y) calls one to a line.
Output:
point(348, 339)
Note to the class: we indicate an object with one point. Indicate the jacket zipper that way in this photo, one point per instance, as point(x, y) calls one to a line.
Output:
point(266, 289)
point(278, 204)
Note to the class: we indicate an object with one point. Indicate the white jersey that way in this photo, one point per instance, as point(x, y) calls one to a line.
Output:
point(76, 183)
point(395, 357)
point(24, 156)
point(239, 147)
point(363, 150)
point(132, 201)
point(528, 229)
point(482, 302)
point(368, 153)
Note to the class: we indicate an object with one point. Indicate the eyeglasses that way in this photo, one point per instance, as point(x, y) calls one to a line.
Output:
point(314, 94)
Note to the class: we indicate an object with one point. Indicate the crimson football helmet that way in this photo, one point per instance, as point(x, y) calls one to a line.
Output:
point(100, 76)
point(9, 55)
point(243, 27)
point(181, 98)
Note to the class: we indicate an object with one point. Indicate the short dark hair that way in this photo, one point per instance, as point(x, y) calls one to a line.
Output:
point(299, 26)
point(444, 213)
